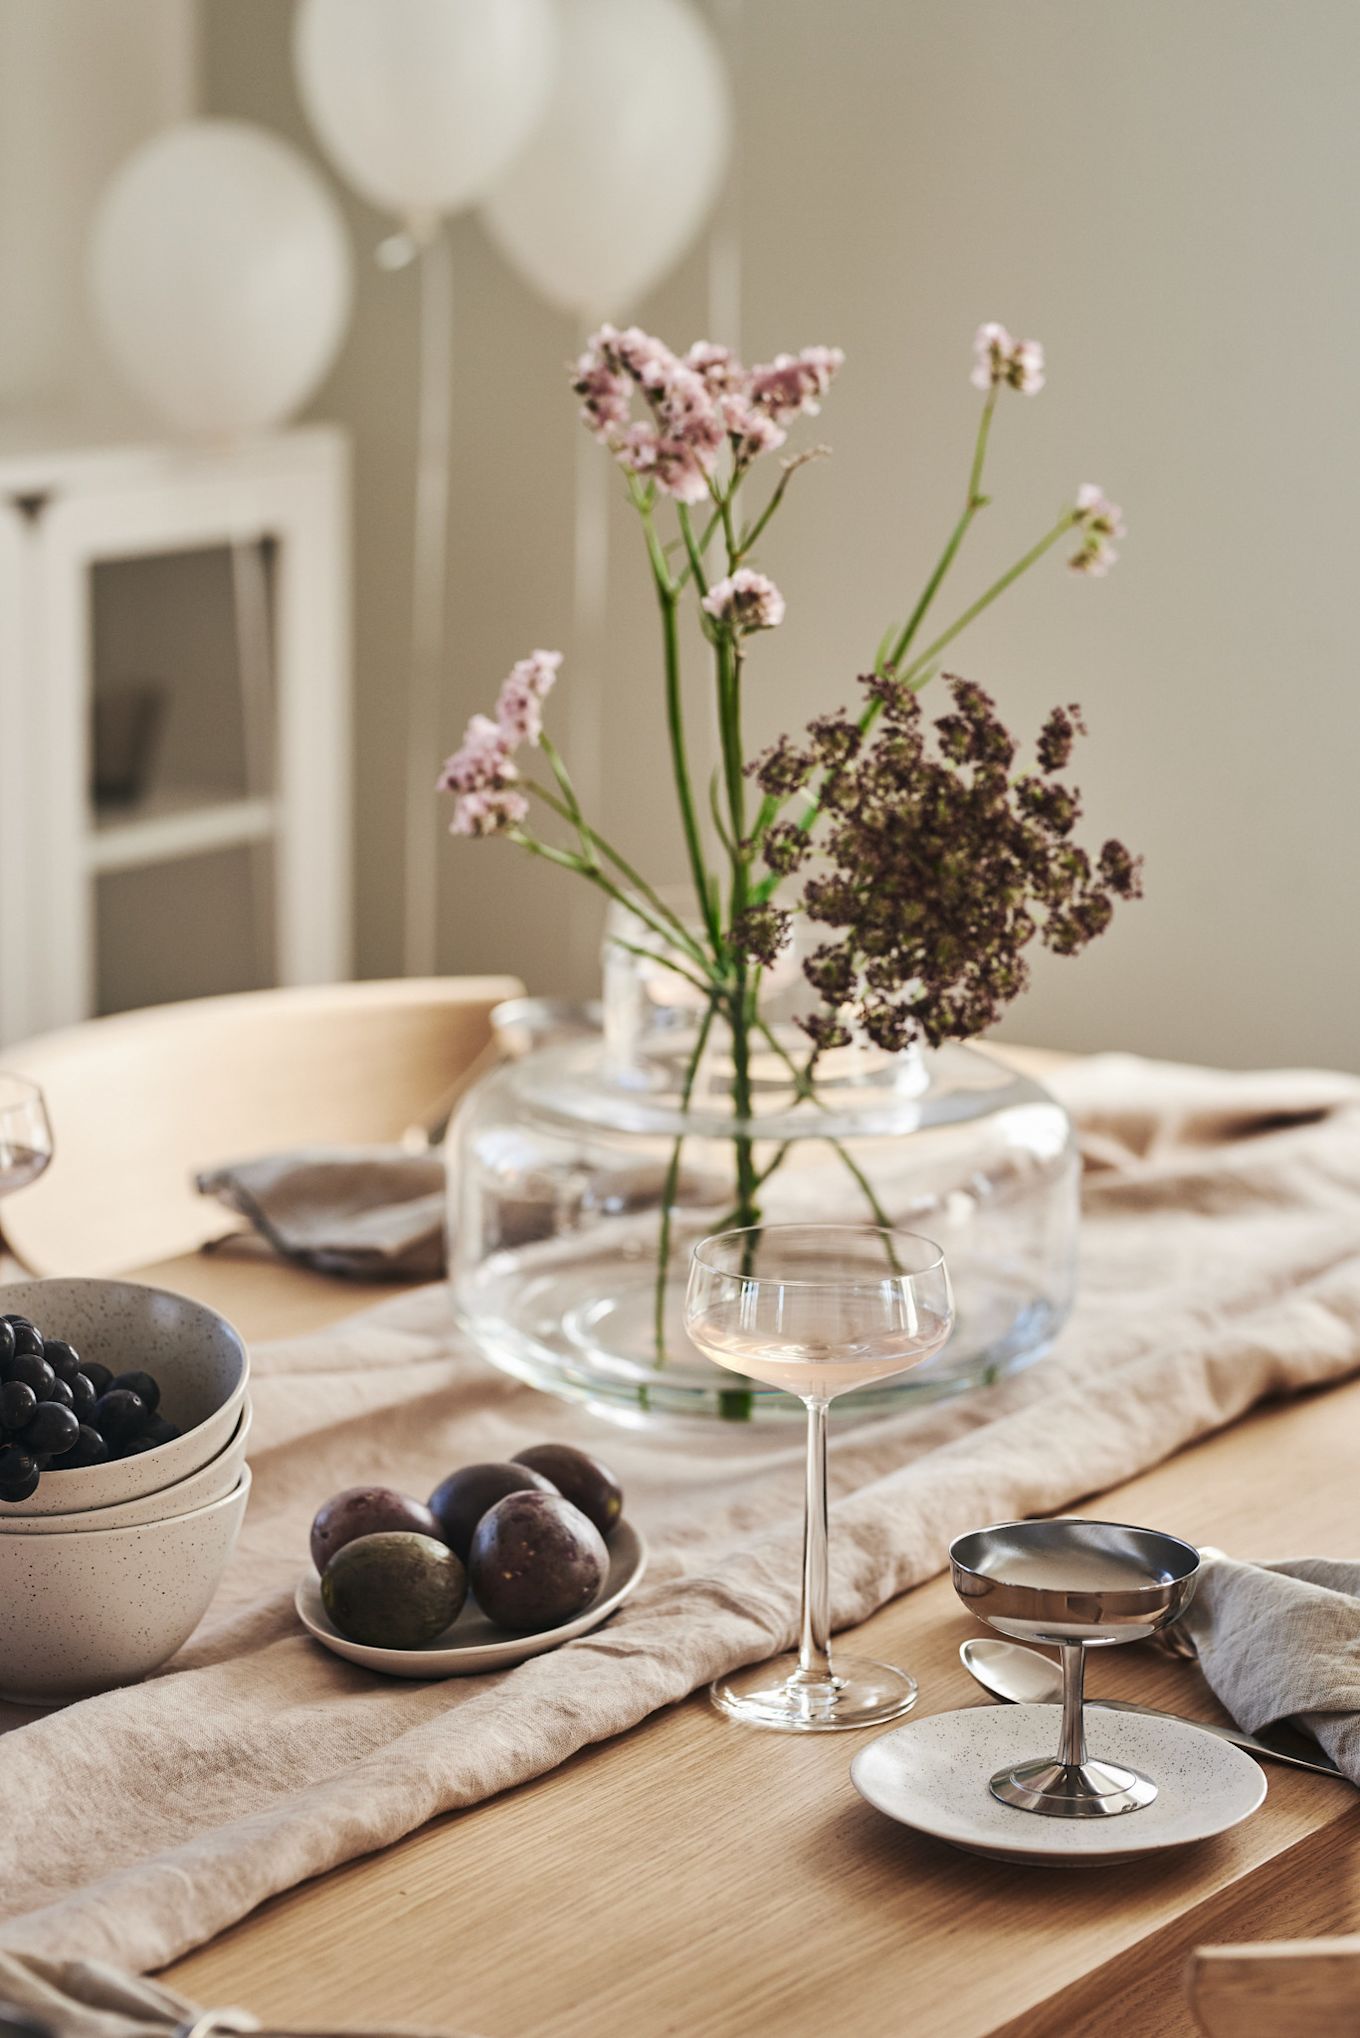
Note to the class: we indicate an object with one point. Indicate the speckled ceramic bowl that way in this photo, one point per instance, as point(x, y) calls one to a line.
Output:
point(200, 1489)
point(82, 1612)
point(195, 1354)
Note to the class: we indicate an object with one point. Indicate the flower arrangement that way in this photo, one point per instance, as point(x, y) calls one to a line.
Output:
point(930, 859)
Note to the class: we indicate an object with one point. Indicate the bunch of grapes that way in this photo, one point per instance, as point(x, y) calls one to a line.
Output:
point(58, 1411)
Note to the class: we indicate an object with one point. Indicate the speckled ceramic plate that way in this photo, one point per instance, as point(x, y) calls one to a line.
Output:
point(473, 1645)
point(933, 1774)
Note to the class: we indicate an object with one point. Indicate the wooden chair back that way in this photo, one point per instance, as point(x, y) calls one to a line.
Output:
point(1287, 1988)
point(140, 1103)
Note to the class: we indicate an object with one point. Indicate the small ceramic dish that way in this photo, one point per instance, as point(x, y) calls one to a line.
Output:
point(200, 1489)
point(933, 1773)
point(99, 1607)
point(473, 1644)
point(198, 1359)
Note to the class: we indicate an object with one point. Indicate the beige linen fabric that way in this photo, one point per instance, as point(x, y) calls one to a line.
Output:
point(1221, 1263)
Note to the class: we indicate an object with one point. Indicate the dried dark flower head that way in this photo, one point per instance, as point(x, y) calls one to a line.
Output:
point(785, 847)
point(1057, 736)
point(939, 869)
point(761, 932)
point(1121, 871)
point(782, 769)
point(835, 740)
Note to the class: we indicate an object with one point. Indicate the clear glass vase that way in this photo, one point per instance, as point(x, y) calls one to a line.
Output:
point(581, 1174)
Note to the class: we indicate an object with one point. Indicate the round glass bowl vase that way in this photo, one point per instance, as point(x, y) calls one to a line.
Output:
point(582, 1173)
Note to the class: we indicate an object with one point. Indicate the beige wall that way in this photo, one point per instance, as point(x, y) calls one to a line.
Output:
point(81, 83)
point(1166, 196)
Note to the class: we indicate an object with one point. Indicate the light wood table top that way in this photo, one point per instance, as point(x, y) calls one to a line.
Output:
point(695, 1877)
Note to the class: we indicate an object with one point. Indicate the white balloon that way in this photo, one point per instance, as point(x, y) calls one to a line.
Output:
point(421, 104)
point(621, 172)
point(220, 275)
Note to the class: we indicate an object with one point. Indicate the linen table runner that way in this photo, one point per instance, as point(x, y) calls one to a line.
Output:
point(1221, 1264)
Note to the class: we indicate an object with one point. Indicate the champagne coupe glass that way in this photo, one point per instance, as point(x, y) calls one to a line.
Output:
point(25, 1134)
point(817, 1309)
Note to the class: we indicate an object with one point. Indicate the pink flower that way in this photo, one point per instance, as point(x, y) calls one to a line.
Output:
point(695, 406)
point(1099, 520)
point(718, 366)
point(522, 693)
point(745, 601)
point(491, 812)
point(603, 394)
point(794, 383)
point(752, 431)
point(1098, 513)
point(678, 445)
point(481, 761)
point(1018, 363)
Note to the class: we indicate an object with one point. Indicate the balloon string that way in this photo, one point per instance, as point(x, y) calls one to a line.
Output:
point(434, 420)
point(724, 239)
point(254, 671)
point(590, 608)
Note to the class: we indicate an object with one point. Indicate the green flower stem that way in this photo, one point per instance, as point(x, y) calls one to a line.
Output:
point(592, 841)
point(917, 672)
point(675, 724)
point(976, 501)
point(705, 540)
point(805, 1088)
point(668, 1192)
point(706, 987)
point(921, 669)
point(751, 536)
point(693, 547)
point(566, 859)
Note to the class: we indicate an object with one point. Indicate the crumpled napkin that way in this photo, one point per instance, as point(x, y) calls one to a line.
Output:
point(91, 1999)
point(1281, 1641)
point(375, 1213)
point(368, 1212)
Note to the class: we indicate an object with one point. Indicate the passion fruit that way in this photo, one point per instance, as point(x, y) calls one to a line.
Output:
point(536, 1561)
point(394, 1591)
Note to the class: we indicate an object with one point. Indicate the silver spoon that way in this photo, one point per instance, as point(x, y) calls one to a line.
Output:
point(1023, 1676)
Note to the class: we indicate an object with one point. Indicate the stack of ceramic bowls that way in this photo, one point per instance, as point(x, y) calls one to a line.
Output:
point(106, 1570)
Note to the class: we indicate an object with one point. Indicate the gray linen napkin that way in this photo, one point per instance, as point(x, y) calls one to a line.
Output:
point(92, 1999)
point(377, 1212)
point(369, 1212)
point(1281, 1641)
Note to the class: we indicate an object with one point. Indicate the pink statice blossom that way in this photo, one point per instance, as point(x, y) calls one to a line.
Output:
point(492, 812)
point(1098, 513)
point(751, 430)
point(695, 405)
point(1099, 520)
point(1017, 363)
point(519, 705)
point(745, 601)
point(482, 759)
point(719, 367)
point(677, 445)
point(795, 383)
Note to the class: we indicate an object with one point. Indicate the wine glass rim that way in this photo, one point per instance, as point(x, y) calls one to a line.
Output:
point(888, 1232)
point(25, 1084)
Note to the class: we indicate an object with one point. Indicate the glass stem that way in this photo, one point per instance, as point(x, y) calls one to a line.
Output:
point(814, 1654)
point(1073, 1749)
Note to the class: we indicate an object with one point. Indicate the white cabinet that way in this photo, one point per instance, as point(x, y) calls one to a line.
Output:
point(276, 509)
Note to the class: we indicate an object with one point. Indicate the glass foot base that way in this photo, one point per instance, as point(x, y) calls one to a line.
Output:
point(858, 1694)
point(1073, 1790)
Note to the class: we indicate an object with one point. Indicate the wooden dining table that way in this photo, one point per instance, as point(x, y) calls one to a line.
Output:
point(698, 1877)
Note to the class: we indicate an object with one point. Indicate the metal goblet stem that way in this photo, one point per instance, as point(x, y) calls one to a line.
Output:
point(1072, 1787)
